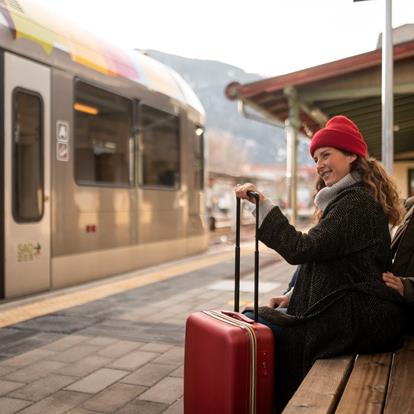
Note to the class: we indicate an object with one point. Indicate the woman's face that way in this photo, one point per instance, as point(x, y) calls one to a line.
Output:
point(332, 164)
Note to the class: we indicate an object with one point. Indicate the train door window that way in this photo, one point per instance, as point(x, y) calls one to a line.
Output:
point(160, 148)
point(28, 183)
point(103, 137)
point(199, 158)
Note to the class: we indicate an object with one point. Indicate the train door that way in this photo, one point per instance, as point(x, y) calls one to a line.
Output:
point(27, 176)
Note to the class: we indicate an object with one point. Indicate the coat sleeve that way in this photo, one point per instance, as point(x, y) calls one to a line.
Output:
point(348, 227)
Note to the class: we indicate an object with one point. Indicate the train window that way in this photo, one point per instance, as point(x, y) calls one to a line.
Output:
point(103, 139)
point(160, 148)
point(28, 184)
point(199, 158)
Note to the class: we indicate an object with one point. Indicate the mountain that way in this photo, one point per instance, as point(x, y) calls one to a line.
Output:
point(263, 143)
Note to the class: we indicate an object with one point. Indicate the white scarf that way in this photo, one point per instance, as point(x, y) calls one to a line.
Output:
point(327, 194)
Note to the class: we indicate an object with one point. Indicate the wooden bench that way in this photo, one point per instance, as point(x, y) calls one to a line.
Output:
point(375, 383)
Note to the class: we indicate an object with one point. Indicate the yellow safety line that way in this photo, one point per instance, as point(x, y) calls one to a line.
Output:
point(68, 300)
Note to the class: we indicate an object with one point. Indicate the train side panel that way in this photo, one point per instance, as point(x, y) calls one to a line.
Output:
point(103, 230)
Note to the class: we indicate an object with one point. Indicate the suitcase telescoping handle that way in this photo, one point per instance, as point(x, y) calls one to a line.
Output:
point(237, 257)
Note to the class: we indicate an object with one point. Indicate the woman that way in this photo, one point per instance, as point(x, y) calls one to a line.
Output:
point(339, 300)
point(402, 251)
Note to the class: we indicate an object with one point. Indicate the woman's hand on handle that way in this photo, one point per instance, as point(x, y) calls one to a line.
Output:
point(393, 282)
point(279, 302)
point(241, 191)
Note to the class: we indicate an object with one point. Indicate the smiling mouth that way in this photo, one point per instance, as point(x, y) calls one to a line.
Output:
point(325, 174)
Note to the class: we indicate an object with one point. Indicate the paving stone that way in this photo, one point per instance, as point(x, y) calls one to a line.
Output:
point(90, 308)
point(8, 386)
point(75, 353)
point(48, 337)
point(142, 407)
point(84, 366)
point(148, 374)
point(27, 358)
point(58, 403)
point(140, 314)
point(158, 317)
point(65, 343)
point(101, 341)
point(173, 301)
point(33, 372)
point(113, 398)
point(98, 380)
point(43, 387)
point(176, 408)
point(181, 308)
point(4, 370)
point(80, 410)
point(106, 308)
point(119, 348)
point(27, 341)
point(133, 360)
point(179, 372)
point(58, 323)
point(138, 331)
point(156, 347)
point(174, 356)
point(19, 348)
point(11, 405)
point(118, 325)
point(9, 332)
point(166, 391)
point(129, 316)
point(208, 294)
point(11, 338)
point(178, 320)
point(37, 340)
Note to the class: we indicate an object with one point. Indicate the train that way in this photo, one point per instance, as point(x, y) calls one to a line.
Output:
point(102, 153)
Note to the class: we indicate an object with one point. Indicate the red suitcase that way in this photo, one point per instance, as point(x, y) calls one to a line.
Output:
point(228, 365)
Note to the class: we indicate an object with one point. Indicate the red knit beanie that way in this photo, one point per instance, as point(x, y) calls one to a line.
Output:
point(341, 133)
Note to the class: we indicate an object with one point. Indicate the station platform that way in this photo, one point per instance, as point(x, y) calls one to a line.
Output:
point(117, 345)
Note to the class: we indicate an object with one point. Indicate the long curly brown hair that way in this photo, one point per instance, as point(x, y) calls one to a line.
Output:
point(372, 173)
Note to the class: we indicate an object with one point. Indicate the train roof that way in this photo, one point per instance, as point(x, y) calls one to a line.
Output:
point(29, 20)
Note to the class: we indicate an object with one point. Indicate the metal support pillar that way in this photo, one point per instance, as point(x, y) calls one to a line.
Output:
point(387, 96)
point(292, 131)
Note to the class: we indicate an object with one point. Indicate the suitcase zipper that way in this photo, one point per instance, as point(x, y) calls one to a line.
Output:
point(253, 352)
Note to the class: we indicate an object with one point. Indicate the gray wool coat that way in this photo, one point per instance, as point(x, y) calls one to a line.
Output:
point(348, 249)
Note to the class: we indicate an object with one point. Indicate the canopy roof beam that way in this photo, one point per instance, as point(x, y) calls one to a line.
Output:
point(314, 112)
point(352, 93)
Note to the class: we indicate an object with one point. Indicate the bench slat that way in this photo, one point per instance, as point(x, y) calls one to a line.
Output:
point(323, 385)
point(400, 397)
point(366, 388)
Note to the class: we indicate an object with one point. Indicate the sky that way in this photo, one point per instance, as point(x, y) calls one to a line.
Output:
point(268, 37)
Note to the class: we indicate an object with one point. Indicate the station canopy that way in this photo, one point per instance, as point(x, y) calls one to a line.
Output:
point(351, 87)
